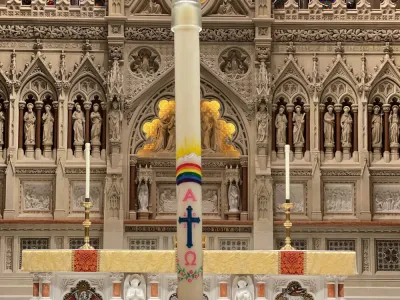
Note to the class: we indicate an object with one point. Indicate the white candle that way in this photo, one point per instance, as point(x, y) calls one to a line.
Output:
point(186, 24)
point(87, 158)
point(287, 172)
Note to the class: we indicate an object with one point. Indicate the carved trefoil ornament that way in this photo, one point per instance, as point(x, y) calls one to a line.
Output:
point(234, 63)
point(144, 62)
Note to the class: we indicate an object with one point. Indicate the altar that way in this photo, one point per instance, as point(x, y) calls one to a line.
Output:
point(260, 275)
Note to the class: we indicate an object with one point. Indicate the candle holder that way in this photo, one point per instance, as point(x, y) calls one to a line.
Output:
point(86, 224)
point(288, 224)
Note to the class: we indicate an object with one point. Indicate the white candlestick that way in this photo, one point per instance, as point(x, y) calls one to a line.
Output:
point(87, 158)
point(287, 172)
point(186, 15)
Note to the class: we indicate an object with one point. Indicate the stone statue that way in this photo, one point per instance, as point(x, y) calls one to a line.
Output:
point(79, 125)
point(115, 118)
point(97, 121)
point(280, 125)
point(376, 125)
point(152, 8)
point(226, 8)
point(161, 139)
point(243, 293)
point(329, 126)
point(394, 125)
point(134, 292)
point(263, 120)
point(48, 126)
point(346, 122)
point(30, 120)
point(2, 120)
point(298, 126)
point(211, 140)
point(233, 198)
point(171, 143)
point(143, 197)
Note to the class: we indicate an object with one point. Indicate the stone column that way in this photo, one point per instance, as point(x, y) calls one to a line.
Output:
point(307, 154)
point(116, 279)
point(154, 281)
point(244, 214)
point(289, 109)
point(35, 286)
point(38, 146)
point(261, 288)
point(104, 131)
point(21, 130)
point(331, 287)
point(386, 153)
point(223, 286)
point(354, 108)
point(87, 105)
point(133, 206)
point(273, 132)
point(341, 288)
point(46, 285)
point(69, 137)
point(338, 154)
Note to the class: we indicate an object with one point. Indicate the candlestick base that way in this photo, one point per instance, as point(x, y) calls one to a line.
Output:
point(86, 224)
point(287, 225)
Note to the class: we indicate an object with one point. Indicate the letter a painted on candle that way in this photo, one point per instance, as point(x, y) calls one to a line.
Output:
point(189, 195)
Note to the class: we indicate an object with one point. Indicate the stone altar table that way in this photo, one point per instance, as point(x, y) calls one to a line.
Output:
point(259, 264)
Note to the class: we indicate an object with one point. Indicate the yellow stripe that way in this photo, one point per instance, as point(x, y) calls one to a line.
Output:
point(330, 263)
point(143, 261)
point(187, 171)
point(241, 262)
point(47, 260)
point(188, 147)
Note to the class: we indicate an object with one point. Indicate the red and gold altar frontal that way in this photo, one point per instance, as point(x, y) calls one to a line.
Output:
point(215, 262)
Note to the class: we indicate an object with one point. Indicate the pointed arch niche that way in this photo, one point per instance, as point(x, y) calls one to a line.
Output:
point(339, 120)
point(291, 119)
point(384, 120)
point(225, 145)
point(87, 115)
point(38, 108)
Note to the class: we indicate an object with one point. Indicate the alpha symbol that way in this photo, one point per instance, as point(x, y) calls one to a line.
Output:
point(189, 196)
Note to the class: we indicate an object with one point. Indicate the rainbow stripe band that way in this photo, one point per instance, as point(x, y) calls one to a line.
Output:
point(188, 172)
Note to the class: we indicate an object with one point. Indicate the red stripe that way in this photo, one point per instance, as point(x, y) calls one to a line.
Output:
point(291, 262)
point(188, 165)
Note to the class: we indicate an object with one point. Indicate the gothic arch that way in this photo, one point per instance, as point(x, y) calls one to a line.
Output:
point(290, 89)
point(147, 110)
point(385, 90)
point(339, 89)
point(39, 87)
point(87, 87)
